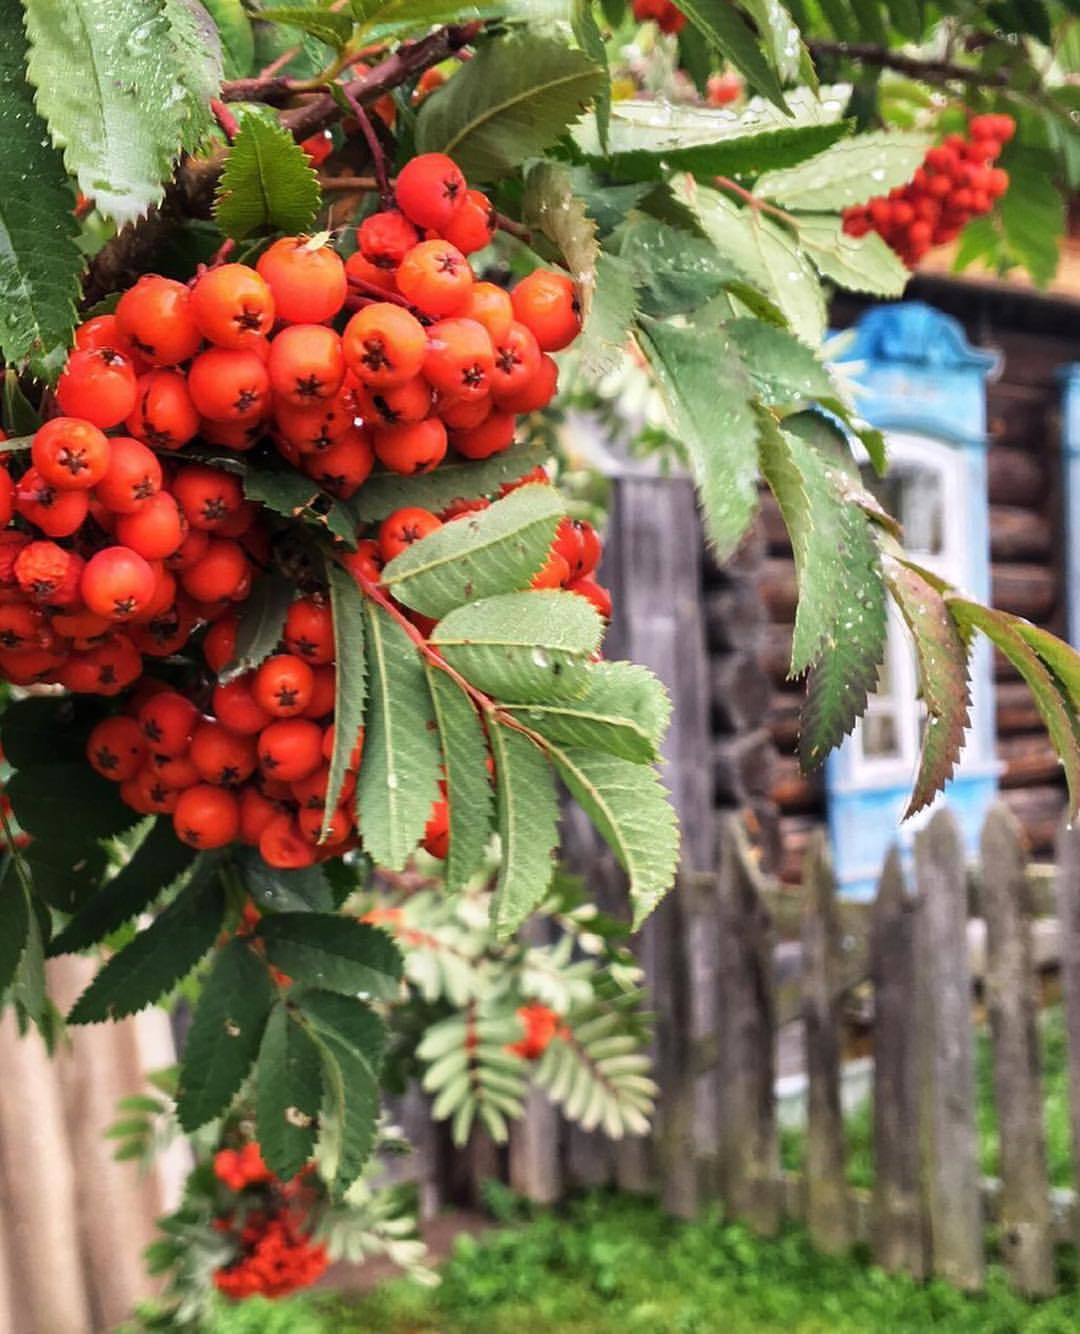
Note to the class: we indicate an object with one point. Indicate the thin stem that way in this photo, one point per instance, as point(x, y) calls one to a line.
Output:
point(363, 288)
point(375, 148)
point(752, 200)
point(368, 183)
point(928, 71)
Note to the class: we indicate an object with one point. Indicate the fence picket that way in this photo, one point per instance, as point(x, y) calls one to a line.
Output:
point(896, 1226)
point(1026, 1245)
point(949, 1159)
point(827, 1214)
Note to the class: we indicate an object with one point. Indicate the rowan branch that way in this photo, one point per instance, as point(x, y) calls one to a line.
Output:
point(926, 71)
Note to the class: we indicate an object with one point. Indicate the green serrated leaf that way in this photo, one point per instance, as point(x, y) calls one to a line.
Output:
point(793, 280)
point(521, 647)
point(199, 59)
point(159, 861)
point(287, 1094)
point(398, 779)
point(528, 819)
point(468, 789)
point(351, 1039)
point(588, 36)
point(15, 914)
point(328, 26)
point(1060, 659)
point(723, 27)
point(267, 185)
point(453, 479)
point(943, 676)
point(624, 712)
point(391, 20)
point(336, 953)
point(107, 80)
point(784, 370)
point(508, 104)
point(707, 392)
point(160, 956)
point(857, 263)
point(676, 272)
point(850, 172)
point(497, 550)
point(606, 332)
point(225, 1034)
point(39, 261)
point(20, 417)
point(237, 39)
point(288, 492)
point(350, 655)
point(261, 624)
point(630, 808)
point(275, 890)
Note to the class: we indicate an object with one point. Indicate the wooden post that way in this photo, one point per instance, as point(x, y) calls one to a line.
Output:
point(749, 1157)
point(897, 1231)
point(827, 1214)
point(1068, 911)
point(950, 1168)
point(1026, 1244)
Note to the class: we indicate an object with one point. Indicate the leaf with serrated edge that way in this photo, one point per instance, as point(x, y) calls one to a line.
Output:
point(455, 479)
point(337, 953)
point(1060, 659)
point(14, 922)
point(522, 647)
point(723, 27)
point(857, 263)
point(496, 550)
point(160, 956)
point(107, 76)
point(350, 655)
point(784, 370)
point(603, 340)
point(288, 1091)
point(630, 808)
point(793, 280)
point(1050, 697)
point(510, 102)
point(225, 1034)
point(267, 183)
point(39, 261)
point(468, 789)
point(943, 675)
point(550, 207)
point(351, 1038)
point(624, 711)
point(261, 624)
point(331, 28)
point(588, 36)
point(200, 61)
point(528, 816)
point(848, 173)
point(398, 779)
point(707, 392)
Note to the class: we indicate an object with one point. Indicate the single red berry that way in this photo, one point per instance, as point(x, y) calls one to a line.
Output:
point(229, 385)
point(117, 582)
point(546, 303)
point(116, 749)
point(283, 685)
point(167, 721)
point(460, 359)
point(386, 238)
point(206, 817)
point(416, 448)
point(208, 497)
point(404, 527)
point(436, 278)
point(232, 305)
point(306, 364)
point(384, 345)
point(306, 277)
point(164, 415)
point(155, 317)
point(132, 477)
point(429, 190)
point(222, 757)
point(156, 530)
point(494, 434)
point(57, 513)
point(97, 385)
point(218, 573)
point(290, 749)
point(70, 453)
point(473, 224)
point(282, 846)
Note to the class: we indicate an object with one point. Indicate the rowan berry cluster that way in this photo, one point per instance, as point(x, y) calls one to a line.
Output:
point(541, 1025)
point(956, 182)
point(667, 17)
point(115, 547)
point(269, 1227)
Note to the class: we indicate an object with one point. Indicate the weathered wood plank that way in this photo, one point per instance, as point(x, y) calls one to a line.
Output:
point(897, 1228)
point(1068, 908)
point(749, 1148)
point(949, 1161)
point(1026, 1244)
point(827, 1214)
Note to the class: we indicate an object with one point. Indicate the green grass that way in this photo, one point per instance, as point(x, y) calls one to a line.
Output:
point(859, 1125)
point(610, 1265)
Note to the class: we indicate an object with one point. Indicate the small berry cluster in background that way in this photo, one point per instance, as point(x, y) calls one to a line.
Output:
point(268, 1224)
point(541, 1025)
point(667, 17)
point(116, 547)
point(956, 182)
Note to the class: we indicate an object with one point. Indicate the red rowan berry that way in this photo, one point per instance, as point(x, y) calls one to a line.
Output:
point(161, 600)
point(283, 685)
point(232, 305)
point(229, 385)
point(102, 331)
point(436, 278)
point(538, 393)
point(164, 415)
point(155, 317)
point(175, 771)
point(397, 405)
point(240, 521)
point(386, 238)
point(80, 624)
point(553, 573)
point(306, 277)
point(318, 147)
point(404, 527)
point(117, 582)
point(490, 306)
point(206, 817)
point(57, 513)
point(282, 846)
point(22, 626)
point(463, 505)
point(27, 666)
point(517, 361)
point(290, 749)
point(588, 588)
point(363, 274)
point(97, 385)
point(494, 434)
point(323, 692)
point(310, 821)
point(310, 793)
point(234, 705)
point(222, 757)
point(462, 414)
point(207, 496)
point(345, 466)
point(309, 631)
point(384, 345)
point(436, 840)
point(357, 751)
point(155, 530)
point(460, 359)
point(116, 749)
point(149, 794)
point(167, 632)
point(42, 569)
point(70, 453)
point(256, 812)
point(11, 543)
point(218, 573)
point(115, 665)
point(306, 364)
point(473, 224)
point(429, 190)
point(416, 448)
point(219, 645)
point(319, 426)
point(236, 435)
point(365, 561)
point(722, 89)
point(132, 477)
point(546, 303)
point(191, 550)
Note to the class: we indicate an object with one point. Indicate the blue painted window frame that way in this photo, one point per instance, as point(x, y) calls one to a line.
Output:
point(919, 378)
point(1069, 376)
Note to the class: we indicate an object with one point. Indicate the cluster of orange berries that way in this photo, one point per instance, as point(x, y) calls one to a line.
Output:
point(275, 1253)
point(541, 1025)
point(956, 182)
point(667, 17)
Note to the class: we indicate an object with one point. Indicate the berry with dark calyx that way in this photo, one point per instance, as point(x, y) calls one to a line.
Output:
point(417, 448)
point(132, 477)
point(429, 190)
point(384, 345)
point(400, 530)
point(97, 385)
point(436, 278)
point(164, 415)
point(306, 364)
point(546, 303)
point(70, 453)
point(206, 817)
point(117, 583)
point(156, 318)
point(207, 497)
point(290, 749)
point(229, 385)
point(232, 305)
point(57, 513)
point(386, 238)
point(473, 224)
point(283, 685)
point(116, 748)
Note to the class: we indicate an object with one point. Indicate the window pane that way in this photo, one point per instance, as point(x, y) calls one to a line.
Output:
point(879, 736)
point(914, 494)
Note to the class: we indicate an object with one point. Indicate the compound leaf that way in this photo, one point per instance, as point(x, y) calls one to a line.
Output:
point(528, 816)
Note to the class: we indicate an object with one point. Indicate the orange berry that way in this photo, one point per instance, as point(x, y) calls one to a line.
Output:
point(386, 238)
point(490, 306)
point(229, 385)
point(306, 364)
point(290, 749)
point(217, 574)
point(416, 448)
point(155, 316)
point(429, 189)
point(167, 720)
point(494, 434)
point(222, 757)
point(546, 303)
point(206, 817)
point(164, 415)
point(132, 477)
point(281, 845)
point(70, 453)
point(116, 749)
point(235, 705)
point(57, 513)
point(155, 530)
point(232, 305)
point(283, 685)
point(460, 359)
point(436, 278)
point(344, 467)
point(384, 345)
point(309, 631)
point(306, 277)
point(207, 497)
point(404, 527)
point(97, 385)
point(256, 812)
point(117, 583)
point(473, 224)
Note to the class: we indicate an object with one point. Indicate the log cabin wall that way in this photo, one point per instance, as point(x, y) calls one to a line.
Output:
point(1036, 336)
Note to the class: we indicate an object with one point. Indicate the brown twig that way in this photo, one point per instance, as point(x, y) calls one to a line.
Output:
point(375, 148)
point(927, 71)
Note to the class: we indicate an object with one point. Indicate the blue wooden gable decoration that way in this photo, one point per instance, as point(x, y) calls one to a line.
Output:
point(1070, 449)
point(924, 386)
